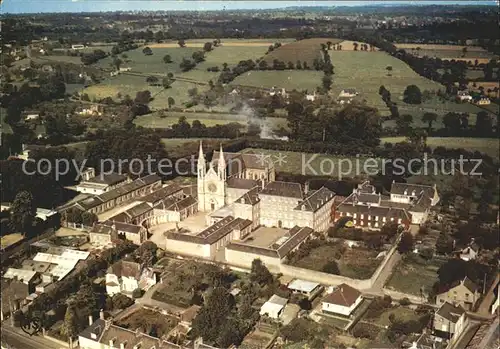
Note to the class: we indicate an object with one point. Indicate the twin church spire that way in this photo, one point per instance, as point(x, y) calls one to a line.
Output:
point(202, 164)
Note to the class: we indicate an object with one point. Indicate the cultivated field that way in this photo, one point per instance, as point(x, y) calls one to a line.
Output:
point(348, 45)
point(303, 50)
point(414, 276)
point(453, 54)
point(288, 79)
point(488, 146)
point(366, 71)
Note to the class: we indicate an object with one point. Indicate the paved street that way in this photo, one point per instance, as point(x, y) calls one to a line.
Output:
point(19, 340)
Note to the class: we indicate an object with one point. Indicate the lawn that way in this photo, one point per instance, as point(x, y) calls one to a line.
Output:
point(356, 263)
point(413, 275)
point(288, 79)
point(334, 321)
point(184, 146)
point(488, 146)
point(401, 313)
point(140, 63)
point(315, 164)
point(149, 322)
point(366, 72)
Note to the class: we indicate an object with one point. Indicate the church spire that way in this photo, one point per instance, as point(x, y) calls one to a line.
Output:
point(202, 166)
point(221, 164)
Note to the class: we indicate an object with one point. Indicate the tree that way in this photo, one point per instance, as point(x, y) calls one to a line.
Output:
point(147, 51)
point(181, 43)
point(22, 212)
point(170, 102)
point(329, 45)
point(152, 80)
point(88, 219)
point(207, 47)
point(167, 59)
point(143, 97)
point(327, 82)
point(331, 267)
point(355, 46)
point(213, 314)
point(117, 62)
point(429, 118)
point(405, 245)
point(389, 70)
point(484, 123)
point(166, 83)
point(412, 95)
point(120, 301)
point(464, 51)
point(137, 293)
point(70, 325)
point(198, 56)
point(260, 274)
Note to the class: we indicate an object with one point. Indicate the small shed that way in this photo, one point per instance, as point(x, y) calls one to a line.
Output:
point(274, 307)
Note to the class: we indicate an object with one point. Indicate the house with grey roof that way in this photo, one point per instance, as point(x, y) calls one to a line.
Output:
point(446, 319)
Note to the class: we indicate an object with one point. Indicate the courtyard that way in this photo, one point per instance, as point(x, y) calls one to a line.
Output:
point(264, 236)
point(191, 225)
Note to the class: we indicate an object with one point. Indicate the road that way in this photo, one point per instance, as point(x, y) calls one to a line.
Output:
point(19, 340)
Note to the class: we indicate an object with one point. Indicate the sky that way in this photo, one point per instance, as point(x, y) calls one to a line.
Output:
point(36, 6)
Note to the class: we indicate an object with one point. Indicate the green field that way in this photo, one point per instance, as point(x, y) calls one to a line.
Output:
point(178, 91)
point(366, 72)
point(122, 84)
point(140, 63)
point(7, 240)
point(488, 146)
point(209, 119)
point(288, 79)
point(153, 120)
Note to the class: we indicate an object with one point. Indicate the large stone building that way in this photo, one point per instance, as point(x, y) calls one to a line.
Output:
point(244, 186)
point(239, 194)
point(407, 204)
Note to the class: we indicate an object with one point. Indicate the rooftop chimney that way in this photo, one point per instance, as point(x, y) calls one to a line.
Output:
point(306, 188)
point(101, 314)
point(91, 320)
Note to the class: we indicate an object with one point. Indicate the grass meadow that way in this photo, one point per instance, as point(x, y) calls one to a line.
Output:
point(366, 71)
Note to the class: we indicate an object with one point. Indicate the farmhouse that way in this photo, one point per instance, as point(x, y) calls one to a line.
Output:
point(464, 293)
point(481, 100)
point(407, 204)
point(343, 300)
point(469, 253)
point(125, 277)
point(464, 96)
point(348, 93)
point(77, 47)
